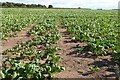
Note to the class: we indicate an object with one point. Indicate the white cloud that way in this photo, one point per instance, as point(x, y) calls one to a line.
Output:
point(105, 4)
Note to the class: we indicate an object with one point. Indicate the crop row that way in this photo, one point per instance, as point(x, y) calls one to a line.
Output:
point(99, 31)
point(37, 58)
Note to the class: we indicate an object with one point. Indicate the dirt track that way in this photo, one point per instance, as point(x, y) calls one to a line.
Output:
point(12, 41)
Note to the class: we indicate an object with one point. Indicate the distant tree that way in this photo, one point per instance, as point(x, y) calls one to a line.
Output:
point(21, 5)
point(99, 9)
point(79, 7)
point(28, 6)
point(8, 4)
point(0, 3)
point(50, 6)
point(39, 5)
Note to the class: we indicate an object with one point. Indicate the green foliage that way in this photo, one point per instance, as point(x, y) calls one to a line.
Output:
point(99, 31)
point(30, 70)
point(94, 68)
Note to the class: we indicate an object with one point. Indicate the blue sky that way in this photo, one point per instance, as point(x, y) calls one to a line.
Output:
point(94, 4)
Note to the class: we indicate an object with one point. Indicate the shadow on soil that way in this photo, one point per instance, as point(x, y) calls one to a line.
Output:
point(83, 54)
point(101, 63)
point(109, 64)
point(105, 66)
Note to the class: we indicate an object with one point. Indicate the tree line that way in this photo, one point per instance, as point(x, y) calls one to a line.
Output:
point(21, 5)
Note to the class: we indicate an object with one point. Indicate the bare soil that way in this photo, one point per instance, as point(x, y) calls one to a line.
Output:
point(12, 41)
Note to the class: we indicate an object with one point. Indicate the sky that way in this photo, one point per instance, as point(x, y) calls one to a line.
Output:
point(93, 4)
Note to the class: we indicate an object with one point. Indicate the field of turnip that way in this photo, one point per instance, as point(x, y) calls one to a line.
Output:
point(59, 43)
